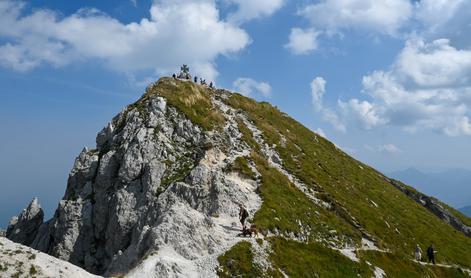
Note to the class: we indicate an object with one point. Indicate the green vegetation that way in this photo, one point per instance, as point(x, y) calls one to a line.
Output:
point(238, 262)
point(191, 99)
point(396, 266)
point(286, 209)
point(313, 260)
point(3, 268)
point(178, 170)
point(32, 270)
point(247, 135)
point(241, 165)
point(155, 132)
point(182, 172)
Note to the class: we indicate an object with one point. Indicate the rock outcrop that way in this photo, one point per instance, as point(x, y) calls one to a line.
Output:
point(434, 206)
point(24, 227)
point(17, 260)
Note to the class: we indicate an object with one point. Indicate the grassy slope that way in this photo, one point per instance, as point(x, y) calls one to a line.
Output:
point(313, 260)
point(192, 100)
point(340, 179)
point(356, 187)
point(287, 210)
point(239, 262)
point(396, 266)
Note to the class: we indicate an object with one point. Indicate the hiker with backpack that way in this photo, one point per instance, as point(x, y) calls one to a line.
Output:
point(243, 214)
point(431, 254)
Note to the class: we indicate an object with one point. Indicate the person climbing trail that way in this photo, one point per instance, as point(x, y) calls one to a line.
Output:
point(243, 214)
point(418, 253)
point(431, 254)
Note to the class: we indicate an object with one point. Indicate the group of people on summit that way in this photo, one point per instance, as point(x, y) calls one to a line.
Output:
point(185, 74)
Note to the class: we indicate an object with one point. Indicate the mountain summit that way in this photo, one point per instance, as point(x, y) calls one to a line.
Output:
point(159, 196)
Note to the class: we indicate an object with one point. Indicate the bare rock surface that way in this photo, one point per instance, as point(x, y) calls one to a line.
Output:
point(23, 228)
point(17, 260)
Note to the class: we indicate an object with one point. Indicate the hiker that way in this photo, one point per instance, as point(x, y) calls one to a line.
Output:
point(211, 84)
point(431, 254)
point(195, 79)
point(243, 214)
point(418, 253)
point(174, 76)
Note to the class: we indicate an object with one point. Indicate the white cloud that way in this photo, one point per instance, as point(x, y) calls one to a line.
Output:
point(317, 94)
point(445, 18)
point(177, 32)
point(302, 41)
point(386, 148)
point(248, 87)
point(428, 87)
point(382, 16)
point(436, 64)
point(250, 9)
point(389, 148)
point(364, 112)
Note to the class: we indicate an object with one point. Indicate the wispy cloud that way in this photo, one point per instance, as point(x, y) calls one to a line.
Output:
point(386, 148)
point(317, 94)
point(249, 87)
point(302, 41)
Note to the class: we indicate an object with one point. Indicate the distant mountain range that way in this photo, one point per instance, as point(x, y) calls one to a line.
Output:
point(451, 186)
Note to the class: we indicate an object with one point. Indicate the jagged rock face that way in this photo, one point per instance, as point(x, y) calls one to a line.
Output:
point(23, 229)
point(154, 180)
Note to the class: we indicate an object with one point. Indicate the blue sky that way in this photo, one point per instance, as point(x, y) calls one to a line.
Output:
point(387, 81)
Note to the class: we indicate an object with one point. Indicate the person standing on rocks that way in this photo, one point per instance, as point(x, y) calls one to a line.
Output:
point(418, 253)
point(431, 254)
point(243, 214)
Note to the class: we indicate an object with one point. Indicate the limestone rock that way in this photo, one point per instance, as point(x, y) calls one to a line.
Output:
point(24, 228)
